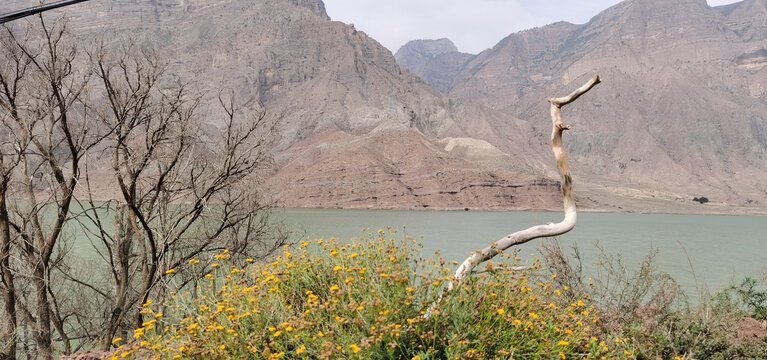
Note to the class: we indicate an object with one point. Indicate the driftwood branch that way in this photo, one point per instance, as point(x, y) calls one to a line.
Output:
point(551, 229)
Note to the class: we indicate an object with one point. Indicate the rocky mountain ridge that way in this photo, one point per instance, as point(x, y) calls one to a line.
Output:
point(356, 130)
point(683, 94)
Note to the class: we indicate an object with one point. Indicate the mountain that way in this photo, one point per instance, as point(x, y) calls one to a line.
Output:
point(680, 110)
point(434, 61)
point(354, 128)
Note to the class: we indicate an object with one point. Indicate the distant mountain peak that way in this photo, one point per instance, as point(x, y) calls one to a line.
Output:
point(434, 61)
point(429, 47)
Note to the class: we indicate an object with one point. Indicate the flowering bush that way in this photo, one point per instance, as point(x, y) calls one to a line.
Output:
point(366, 299)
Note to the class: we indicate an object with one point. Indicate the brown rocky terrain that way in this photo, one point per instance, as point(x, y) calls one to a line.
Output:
point(680, 112)
point(357, 130)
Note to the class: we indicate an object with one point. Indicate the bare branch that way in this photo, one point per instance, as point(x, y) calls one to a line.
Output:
point(577, 93)
point(551, 229)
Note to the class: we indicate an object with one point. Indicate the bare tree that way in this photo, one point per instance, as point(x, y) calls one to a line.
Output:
point(183, 192)
point(42, 99)
point(80, 127)
point(551, 229)
point(12, 72)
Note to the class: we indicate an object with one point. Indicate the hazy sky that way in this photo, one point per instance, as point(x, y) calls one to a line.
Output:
point(473, 25)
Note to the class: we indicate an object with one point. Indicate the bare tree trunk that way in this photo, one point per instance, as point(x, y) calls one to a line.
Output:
point(551, 229)
point(121, 254)
point(158, 162)
point(43, 332)
point(7, 279)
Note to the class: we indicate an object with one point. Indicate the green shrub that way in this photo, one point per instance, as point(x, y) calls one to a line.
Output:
point(750, 299)
point(701, 199)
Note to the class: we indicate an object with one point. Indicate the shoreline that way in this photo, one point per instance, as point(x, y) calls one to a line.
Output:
point(723, 212)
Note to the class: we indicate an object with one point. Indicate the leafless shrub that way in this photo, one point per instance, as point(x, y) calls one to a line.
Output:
point(622, 294)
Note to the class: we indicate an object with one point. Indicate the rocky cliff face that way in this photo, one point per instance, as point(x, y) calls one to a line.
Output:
point(681, 107)
point(355, 129)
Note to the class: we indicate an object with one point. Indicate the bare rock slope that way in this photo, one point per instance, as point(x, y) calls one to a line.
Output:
point(680, 113)
point(681, 110)
point(355, 129)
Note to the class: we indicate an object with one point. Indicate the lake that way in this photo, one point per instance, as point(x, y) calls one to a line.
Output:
point(715, 251)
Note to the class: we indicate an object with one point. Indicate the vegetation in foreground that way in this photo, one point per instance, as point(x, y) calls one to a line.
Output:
point(326, 299)
point(646, 305)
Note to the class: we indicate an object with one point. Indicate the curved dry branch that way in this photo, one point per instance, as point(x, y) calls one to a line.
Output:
point(551, 229)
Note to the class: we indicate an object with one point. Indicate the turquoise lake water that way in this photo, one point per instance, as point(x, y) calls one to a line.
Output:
point(698, 251)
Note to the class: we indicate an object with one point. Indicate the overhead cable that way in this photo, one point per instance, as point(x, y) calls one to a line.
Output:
point(36, 10)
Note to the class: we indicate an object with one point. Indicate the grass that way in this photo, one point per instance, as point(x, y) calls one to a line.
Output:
point(366, 299)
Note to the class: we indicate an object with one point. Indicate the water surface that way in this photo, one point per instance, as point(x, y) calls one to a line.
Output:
point(698, 251)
